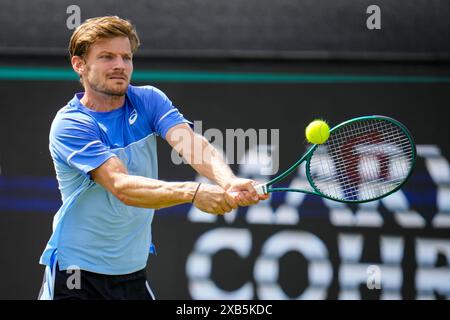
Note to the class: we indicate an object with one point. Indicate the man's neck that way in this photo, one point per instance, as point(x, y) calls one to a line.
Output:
point(102, 102)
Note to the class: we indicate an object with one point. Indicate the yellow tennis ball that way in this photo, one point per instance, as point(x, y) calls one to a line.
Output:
point(317, 132)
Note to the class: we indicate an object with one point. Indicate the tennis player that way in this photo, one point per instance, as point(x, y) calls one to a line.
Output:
point(103, 146)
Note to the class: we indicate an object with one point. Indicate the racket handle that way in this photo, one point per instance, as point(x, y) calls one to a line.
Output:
point(261, 188)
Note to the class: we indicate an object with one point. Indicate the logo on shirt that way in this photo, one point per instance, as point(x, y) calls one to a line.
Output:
point(133, 117)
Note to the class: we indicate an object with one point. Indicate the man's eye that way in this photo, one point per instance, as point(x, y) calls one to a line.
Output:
point(106, 57)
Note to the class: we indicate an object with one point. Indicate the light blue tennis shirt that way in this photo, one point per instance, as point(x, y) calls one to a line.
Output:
point(93, 230)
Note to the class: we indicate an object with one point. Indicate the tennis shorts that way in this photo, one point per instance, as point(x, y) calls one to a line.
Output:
point(85, 285)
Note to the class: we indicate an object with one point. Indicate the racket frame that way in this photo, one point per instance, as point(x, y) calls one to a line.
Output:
point(265, 188)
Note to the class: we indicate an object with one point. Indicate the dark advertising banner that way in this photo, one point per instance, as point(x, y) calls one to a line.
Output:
point(292, 246)
point(412, 29)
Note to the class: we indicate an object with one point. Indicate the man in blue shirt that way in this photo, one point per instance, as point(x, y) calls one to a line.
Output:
point(103, 145)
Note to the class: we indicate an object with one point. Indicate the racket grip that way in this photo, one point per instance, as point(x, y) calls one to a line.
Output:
point(261, 188)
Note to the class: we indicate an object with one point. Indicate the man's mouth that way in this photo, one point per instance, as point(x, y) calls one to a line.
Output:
point(118, 78)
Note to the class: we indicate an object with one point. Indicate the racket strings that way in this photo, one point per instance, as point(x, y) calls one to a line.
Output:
point(362, 160)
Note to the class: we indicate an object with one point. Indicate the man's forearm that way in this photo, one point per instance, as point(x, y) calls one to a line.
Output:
point(150, 193)
point(200, 154)
point(211, 164)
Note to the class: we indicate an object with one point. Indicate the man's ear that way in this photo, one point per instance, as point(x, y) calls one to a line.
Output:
point(78, 64)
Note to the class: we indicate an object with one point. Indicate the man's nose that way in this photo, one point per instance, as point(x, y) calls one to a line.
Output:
point(119, 63)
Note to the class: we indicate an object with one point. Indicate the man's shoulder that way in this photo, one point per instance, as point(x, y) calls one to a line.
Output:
point(140, 90)
point(147, 92)
point(69, 117)
point(72, 113)
point(146, 89)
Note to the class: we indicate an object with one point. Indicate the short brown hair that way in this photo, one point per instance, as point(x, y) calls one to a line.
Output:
point(92, 30)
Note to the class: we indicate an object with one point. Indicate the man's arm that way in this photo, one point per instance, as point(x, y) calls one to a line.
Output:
point(150, 193)
point(200, 154)
point(208, 162)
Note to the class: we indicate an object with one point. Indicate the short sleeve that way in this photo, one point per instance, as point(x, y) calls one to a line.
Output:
point(165, 115)
point(77, 143)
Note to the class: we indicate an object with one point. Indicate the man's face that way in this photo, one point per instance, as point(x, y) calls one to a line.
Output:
point(108, 66)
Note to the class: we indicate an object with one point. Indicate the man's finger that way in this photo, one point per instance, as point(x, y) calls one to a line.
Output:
point(252, 190)
point(264, 196)
point(217, 211)
point(251, 199)
point(225, 206)
point(245, 200)
point(230, 198)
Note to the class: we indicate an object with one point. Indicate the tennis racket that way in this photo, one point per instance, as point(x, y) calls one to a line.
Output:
point(364, 159)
